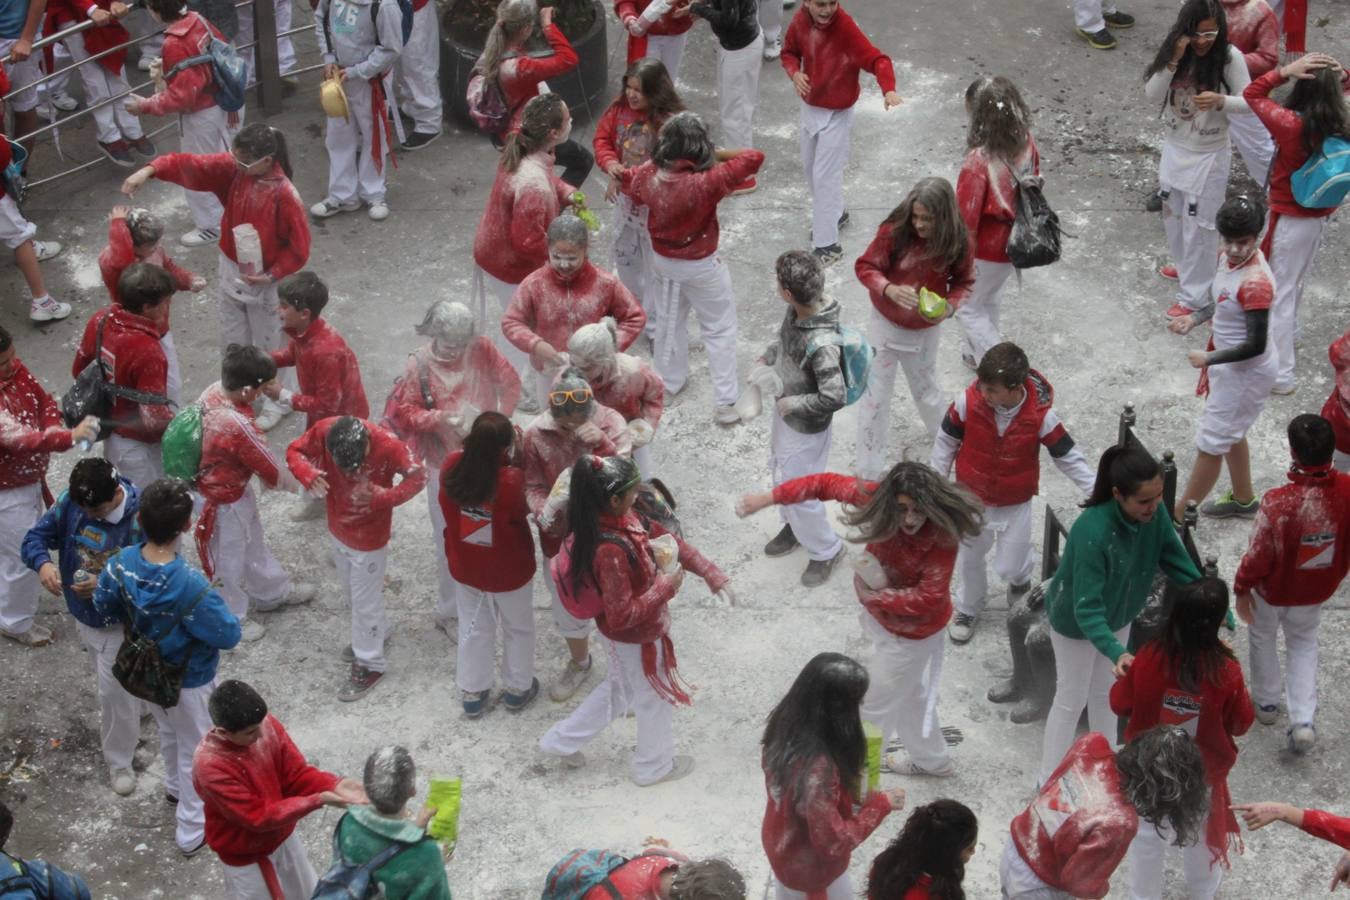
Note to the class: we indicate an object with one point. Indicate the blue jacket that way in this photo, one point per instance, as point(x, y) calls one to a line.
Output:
point(25, 879)
point(158, 595)
point(82, 542)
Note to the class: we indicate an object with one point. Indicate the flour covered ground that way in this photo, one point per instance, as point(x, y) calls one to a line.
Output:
point(1093, 324)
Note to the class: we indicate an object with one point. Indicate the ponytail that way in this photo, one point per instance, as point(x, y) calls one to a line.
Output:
point(513, 17)
point(257, 140)
point(595, 481)
point(543, 114)
point(1121, 469)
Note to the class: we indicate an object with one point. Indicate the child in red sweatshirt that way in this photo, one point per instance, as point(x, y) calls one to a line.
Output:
point(1337, 408)
point(1298, 557)
point(824, 53)
point(326, 368)
point(256, 786)
point(352, 463)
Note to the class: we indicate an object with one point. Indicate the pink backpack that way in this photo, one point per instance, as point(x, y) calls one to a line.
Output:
point(585, 601)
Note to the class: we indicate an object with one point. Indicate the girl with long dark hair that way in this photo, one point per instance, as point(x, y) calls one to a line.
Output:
point(490, 550)
point(923, 243)
point(1115, 547)
point(1188, 676)
point(1196, 79)
point(912, 522)
point(610, 552)
point(927, 860)
point(999, 152)
point(624, 138)
point(814, 755)
point(1314, 111)
point(253, 184)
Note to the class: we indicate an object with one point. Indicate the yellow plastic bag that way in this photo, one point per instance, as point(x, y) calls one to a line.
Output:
point(444, 795)
point(875, 742)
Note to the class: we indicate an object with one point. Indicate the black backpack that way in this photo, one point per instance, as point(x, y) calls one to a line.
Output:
point(93, 393)
point(1035, 234)
point(347, 880)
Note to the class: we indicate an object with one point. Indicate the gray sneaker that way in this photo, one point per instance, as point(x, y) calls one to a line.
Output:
point(1225, 507)
point(962, 628)
point(818, 570)
point(572, 677)
point(681, 767)
point(783, 543)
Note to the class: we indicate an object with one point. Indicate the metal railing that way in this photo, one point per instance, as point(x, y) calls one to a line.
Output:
point(266, 73)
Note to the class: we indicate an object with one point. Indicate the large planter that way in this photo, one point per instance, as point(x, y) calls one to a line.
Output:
point(585, 89)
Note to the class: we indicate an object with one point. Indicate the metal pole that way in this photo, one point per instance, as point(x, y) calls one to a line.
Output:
point(265, 57)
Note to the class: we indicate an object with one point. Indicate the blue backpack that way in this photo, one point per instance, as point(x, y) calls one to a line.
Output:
point(580, 870)
point(25, 879)
point(855, 358)
point(1324, 180)
point(346, 880)
point(228, 71)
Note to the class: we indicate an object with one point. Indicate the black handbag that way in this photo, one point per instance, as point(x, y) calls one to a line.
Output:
point(93, 393)
point(141, 669)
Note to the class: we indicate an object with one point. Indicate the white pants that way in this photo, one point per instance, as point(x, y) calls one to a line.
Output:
point(480, 614)
point(112, 122)
point(15, 230)
point(842, 887)
point(737, 91)
point(916, 353)
point(1007, 530)
point(705, 286)
point(253, 322)
point(20, 508)
point(1341, 461)
point(445, 583)
point(1083, 678)
point(22, 77)
point(1292, 250)
point(519, 359)
point(902, 694)
point(793, 455)
point(119, 712)
point(771, 19)
point(1148, 859)
point(825, 138)
point(1188, 221)
point(1253, 141)
point(633, 256)
point(643, 457)
point(1019, 882)
point(979, 313)
point(568, 625)
point(361, 573)
point(207, 131)
point(173, 377)
point(135, 460)
point(351, 164)
point(285, 49)
point(669, 48)
point(245, 567)
point(1087, 14)
point(295, 874)
point(625, 688)
point(181, 729)
point(415, 84)
point(1299, 682)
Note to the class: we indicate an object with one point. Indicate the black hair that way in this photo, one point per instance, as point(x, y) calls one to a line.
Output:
point(145, 227)
point(1204, 72)
point(1162, 774)
point(303, 291)
point(236, 706)
point(473, 479)
point(595, 482)
point(143, 284)
point(1241, 215)
point(243, 365)
point(976, 86)
point(932, 842)
point(6, 339)
point(167, 10)
point(166, 510)
point(818, 717)
point(799, 273)
point(1190, 638)
point(93, 482)
point(683, 138)
point(1123, 469)
point(999, 119)
point(347, 443)
point(6, 824)
point(1004, 364)
point(1320, 103)
point(257, 140)
point(707, 879)
point(663, 101)
point(390, 778)
point(1312, 440)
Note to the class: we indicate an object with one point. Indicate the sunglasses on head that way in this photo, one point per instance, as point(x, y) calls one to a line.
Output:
point(1205, 35)
point(577, 395)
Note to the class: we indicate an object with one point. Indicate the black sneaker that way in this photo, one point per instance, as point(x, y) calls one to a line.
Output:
point(517, 702)
point(419, 139)
point(119, 152)
point(828, 256)
point(1099, 40)
point(783, 543)
point(1118, 19)
point(359, 682)
point(843, 220)
point(818, 570)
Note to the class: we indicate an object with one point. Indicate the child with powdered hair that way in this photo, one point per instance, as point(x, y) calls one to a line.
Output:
point(625, 383)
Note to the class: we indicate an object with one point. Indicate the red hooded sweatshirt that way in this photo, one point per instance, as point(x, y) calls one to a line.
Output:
point(329, 376)
point(30, 429)
point(547, 308)
point(512, 240)
point(121, 252)
point(520, 76)
point(255, 795)
point(194, 88)
point(682, 202)
point(986, 194)
point(880, 266)
point(1253, 29)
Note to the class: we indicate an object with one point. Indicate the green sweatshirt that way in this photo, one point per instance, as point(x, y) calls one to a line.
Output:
point(417, 873)
point(1107, 570)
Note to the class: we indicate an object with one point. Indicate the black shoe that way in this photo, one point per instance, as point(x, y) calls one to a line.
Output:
point(818, 570)
point(1154, 202)
point(189, 852)
point(783, 543)
point(843, 220)
point(1005, 692)
point(1099, 40)
point(517, 702)
point(1030, 709)
point(1119, 19)
point(828, 256)
point(419, 139)
point(1017, 590)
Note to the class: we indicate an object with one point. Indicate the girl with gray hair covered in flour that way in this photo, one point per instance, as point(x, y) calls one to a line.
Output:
point(626, 384)
point(446, 383)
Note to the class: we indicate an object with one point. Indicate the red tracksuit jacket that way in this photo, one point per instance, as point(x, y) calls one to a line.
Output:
point(682, 203)
point(329, 376)
point(194, 88)
point(361, 528)
point(546, 308)
point(520, 76)
point(880, 266)
point(512, 241)
point(131, 352)
point(489, 547)
point(624, 135)
point(917, 602)
point(121, 252)
point(833, 57)
point(64, 13)
point(986, 194)
point(634, 390)
point(30, 429)
point(1253, 29)
point(549, 449)
point(1300, 547)
point(1286, 127)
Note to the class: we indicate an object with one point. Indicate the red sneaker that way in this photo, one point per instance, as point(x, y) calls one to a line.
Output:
point(1169, 271)
point(747, 187)
point(1176, 311)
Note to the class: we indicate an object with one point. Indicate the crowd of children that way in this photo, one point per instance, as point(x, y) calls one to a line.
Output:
point(573, 487)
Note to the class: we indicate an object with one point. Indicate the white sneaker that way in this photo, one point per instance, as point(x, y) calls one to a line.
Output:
point(48, 310)
point(270, 417)
point(301, 592)
point(144, 63)
point(330, 207)
point(569, 679)
point(773, 49)
point(1302, 738)
point(251, 630)
point(37, 636)
point(62, 101)
point(379, 211)
point(46, 250)
point(574, 760)
point(449, 625)
point(123, 781)
point(895, 766)
point(682, 766)
point(199, 237)
point(726, 415)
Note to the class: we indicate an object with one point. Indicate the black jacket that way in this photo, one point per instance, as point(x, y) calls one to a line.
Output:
point(735, 22)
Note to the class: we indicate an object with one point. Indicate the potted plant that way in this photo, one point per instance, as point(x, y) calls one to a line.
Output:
point(464, 29)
